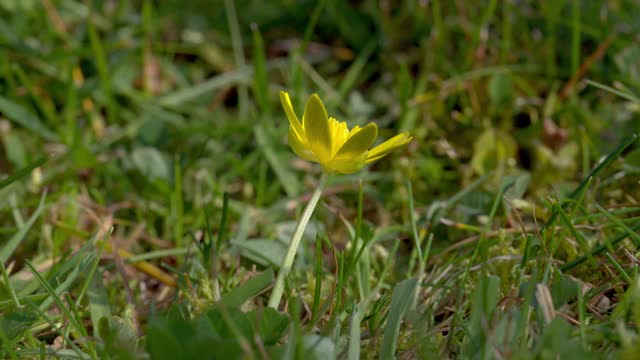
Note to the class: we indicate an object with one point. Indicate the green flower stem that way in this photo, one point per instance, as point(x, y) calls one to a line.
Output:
point(287, 262)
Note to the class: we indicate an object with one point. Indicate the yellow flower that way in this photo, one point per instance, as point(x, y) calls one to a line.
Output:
point(327, 141)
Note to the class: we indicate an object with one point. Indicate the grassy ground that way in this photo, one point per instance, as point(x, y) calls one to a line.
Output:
point(149, 192)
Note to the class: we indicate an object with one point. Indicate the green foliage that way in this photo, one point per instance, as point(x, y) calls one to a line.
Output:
point(484, 303)
point(148, 193)
point(244, 292)
point(220, 332)
point(14, 323)
point(403, 295)
point(558, 342)
point(491, 150)
point(119, 338)
point(500, 90)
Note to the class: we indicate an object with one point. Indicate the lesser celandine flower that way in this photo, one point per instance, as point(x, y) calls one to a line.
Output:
point(327, 141)
point(330, 143)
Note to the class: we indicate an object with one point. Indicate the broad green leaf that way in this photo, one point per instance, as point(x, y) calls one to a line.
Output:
point(270, 323)
point(317, 347)
point(265, 252)
point(240, 294)
point(161, 342)
point(15, 322)
point(230, 323)
point(119, 337)
point(563, 290)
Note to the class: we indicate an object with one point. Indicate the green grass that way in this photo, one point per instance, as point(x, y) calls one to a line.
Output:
point(149, 194)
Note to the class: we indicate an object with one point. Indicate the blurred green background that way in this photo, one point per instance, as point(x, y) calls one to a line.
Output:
point(162, 118)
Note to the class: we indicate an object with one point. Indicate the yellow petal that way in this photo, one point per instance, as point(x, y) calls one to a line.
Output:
point(353, 131)
point(291, 115)
point(339, 133)
point(359, 142)
point(346, 165)
point(315, 123)
point(300, 147)
point(388, 146)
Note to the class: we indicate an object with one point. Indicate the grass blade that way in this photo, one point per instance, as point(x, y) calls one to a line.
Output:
point(55, 296)
point(601, 248)
point(7, 250)
point(102, 65)
point(286, 177)
point(25, 118)
point(236, 42)
point(632, 234)
point(403, 295)
point(585, 182)
point(20, 173)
